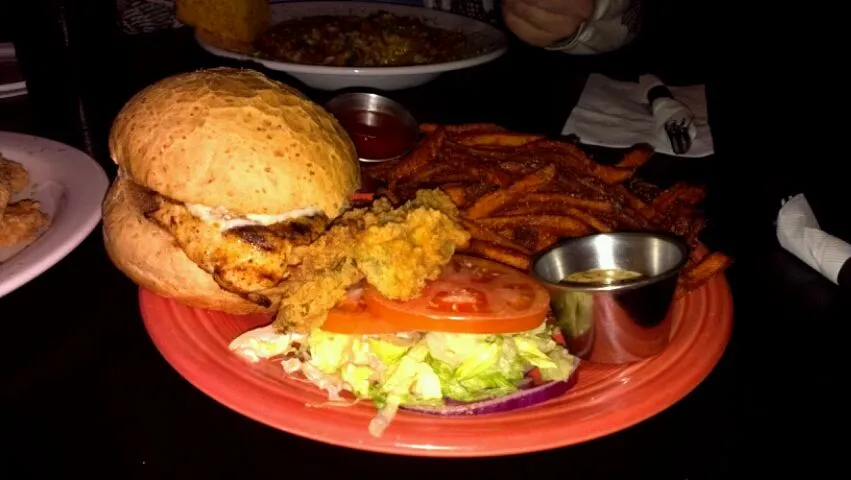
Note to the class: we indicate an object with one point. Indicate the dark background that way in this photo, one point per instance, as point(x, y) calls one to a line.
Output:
point(84, 390)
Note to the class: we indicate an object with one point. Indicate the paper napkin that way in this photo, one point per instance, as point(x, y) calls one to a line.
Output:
point(616, 114)
point(798, 232)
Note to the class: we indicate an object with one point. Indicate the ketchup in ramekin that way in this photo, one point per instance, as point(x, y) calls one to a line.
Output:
point(380, 128)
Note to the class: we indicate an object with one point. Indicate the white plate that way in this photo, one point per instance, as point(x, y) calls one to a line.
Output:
point(70, 186)
point(483, 37)
point(13, 93)
point(13, 87)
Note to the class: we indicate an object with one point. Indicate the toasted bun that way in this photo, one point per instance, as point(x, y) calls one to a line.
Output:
point(234, 138)
point(148, 255)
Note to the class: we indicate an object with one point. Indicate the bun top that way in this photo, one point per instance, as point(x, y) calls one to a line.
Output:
point(235, 139)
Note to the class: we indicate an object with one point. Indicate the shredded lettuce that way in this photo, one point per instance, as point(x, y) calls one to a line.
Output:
point(430, 369)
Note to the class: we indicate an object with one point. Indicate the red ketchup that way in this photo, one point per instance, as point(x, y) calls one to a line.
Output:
point(377, 136)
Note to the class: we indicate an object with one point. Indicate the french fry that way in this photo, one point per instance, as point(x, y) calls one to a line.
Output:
point(425, 152)
point(636, 157)
point(498, 139)
point(498, 254)
point(561, 225)
point(486, 235)
point(497, 199)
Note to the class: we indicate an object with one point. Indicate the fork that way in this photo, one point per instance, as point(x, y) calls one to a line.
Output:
point(678, 135)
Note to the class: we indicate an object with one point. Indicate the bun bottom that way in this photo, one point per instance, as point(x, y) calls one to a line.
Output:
point(149, 256)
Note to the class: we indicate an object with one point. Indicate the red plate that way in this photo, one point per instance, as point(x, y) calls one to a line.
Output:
point(605, 399)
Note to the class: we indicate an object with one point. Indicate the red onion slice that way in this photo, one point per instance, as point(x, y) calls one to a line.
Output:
point(519, 399)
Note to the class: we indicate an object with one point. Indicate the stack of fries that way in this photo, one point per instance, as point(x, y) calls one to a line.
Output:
point(520, 193)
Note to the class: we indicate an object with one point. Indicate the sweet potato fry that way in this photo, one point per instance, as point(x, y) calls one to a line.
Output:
point(646, 191)
point(474, 127)
point(488, 175)
point(499, 139)
point(497, 199)
point(561, 225)
point(428, 128)
point(424, 154)
point(389, 194)
point(486, 235)
point(636, 157)
point(705, 268)
point(478, 166)
point(613, 175)
point(679, 192)
point(457, 192)
point(425, 174)
point(696, 226)
point(482, 153)
point(597, 223)
point(635, 203)
point(570, 156)
point(498, 254)
point(569, 200)
point(628, 219)
point(545, 240)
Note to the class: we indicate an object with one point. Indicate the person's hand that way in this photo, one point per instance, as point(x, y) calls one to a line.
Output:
point(542, 22)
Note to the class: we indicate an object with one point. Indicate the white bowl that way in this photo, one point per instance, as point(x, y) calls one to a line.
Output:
point(482, 37)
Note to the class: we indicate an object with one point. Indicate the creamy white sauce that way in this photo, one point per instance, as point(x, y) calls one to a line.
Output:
point(225, 220)
point(264, 342)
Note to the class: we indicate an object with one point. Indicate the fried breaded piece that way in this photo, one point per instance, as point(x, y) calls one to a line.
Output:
point(308, 295)
point(13, 175)
point(402, 249)
point(396, 250)
point(241, 260)
point(5, 193)
point(13, 179)
point(21, 223)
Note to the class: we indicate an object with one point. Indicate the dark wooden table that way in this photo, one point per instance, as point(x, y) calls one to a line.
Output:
point(84, 390)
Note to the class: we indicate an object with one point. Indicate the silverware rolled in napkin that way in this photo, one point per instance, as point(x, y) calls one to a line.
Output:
point(798, 232)
point(671, 115)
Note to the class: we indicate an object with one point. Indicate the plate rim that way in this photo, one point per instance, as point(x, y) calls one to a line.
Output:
point(367, 71)
point(85, 223)
point(646, 408)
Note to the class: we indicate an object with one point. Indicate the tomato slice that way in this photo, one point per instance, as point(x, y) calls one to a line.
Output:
point(351, 317)
point(472, 295)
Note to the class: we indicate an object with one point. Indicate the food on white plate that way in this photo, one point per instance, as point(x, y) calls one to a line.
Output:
point(21, 222)
point(235, 194)
point(229, 24)
point(381, 39)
